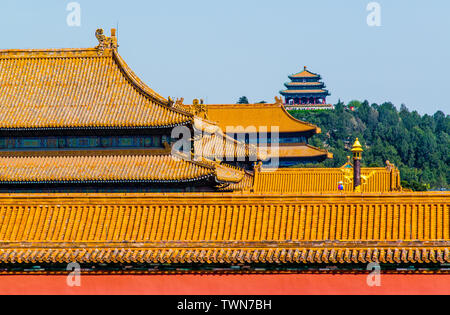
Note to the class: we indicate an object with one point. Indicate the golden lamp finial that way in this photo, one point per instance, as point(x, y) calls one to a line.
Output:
point(357, 150)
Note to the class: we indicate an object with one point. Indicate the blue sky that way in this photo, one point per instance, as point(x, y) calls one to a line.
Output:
point(221, 50)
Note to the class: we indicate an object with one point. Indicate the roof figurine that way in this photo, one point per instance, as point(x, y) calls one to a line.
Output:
point(106, 42)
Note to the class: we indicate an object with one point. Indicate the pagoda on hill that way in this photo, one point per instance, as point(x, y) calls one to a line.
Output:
point(306, 91)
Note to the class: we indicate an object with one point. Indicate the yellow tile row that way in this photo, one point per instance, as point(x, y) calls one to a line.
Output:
point(231, 222)
point(83, 168)
point(324, 180)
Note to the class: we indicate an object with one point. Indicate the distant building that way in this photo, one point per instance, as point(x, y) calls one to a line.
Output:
point(291, 149)
point(306, 92)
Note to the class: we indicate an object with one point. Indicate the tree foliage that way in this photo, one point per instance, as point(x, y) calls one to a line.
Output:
point(418, 145)
point(243, 100)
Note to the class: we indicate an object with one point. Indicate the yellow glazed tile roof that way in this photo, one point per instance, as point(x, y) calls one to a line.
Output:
point(111, 168)
point(295, 151)
point(245, 185)
point(77, 88)
point(258, 115)
point(305, 74)
point(324, 180)
point(220, 228)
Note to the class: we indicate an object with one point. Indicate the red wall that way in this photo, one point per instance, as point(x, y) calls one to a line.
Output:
point(227, 285)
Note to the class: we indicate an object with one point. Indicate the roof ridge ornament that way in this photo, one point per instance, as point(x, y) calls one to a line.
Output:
point(199, 108)
point(279, 100)
point(104, 41)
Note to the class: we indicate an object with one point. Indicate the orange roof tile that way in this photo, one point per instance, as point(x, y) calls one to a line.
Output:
point(257, 115)
point(113, 167)
point(77, 88)
point(245, 185)
point(295, 151)
point(305, 74)
point(325, 180)
point(189, 229)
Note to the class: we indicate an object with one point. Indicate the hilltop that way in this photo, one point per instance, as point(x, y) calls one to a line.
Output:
point(419, 145)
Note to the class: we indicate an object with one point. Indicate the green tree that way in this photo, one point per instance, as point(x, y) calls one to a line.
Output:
point(418, 145)
point(243, 100)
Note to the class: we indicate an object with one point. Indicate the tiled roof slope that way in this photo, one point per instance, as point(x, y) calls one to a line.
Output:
point(245, 185)
point(112, 168)
point(257, 115)
point(218, 228)
point(305, 74)
point(295, 151)
point(77, 88)
point(325, 180)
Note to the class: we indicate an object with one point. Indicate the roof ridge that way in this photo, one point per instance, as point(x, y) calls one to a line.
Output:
point(50, 52)
point(136, 81)
point(143, 87)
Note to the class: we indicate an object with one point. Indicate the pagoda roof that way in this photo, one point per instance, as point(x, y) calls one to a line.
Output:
point(305, 74)
point(112, 167)
point(248, 115)
point(78, 88)
point(318, 91)
point(309, 84)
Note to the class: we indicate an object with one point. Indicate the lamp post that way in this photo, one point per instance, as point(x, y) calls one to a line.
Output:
point(357, 151)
